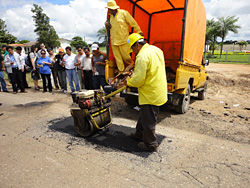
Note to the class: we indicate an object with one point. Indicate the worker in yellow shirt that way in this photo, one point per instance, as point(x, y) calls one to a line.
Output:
point(150, 79)
point(120, 20)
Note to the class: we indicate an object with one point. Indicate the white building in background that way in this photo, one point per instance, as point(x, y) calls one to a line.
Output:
point(64, 44)
point(26, 47)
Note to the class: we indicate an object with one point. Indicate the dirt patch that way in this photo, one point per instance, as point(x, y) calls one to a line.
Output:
point(219, 79)
point(245, 76)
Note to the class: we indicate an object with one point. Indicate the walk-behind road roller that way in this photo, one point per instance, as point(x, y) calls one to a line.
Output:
point(93, 113)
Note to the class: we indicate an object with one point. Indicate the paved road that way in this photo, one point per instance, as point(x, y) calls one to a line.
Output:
point(39, 148)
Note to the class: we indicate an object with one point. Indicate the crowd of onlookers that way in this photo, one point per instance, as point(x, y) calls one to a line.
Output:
point(84, 70)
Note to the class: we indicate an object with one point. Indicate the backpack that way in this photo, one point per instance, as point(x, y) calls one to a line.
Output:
point(28, 62)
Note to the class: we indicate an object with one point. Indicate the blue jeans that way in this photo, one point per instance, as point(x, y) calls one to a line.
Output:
point(72, 76)
point(3, 84)
point(99, 80)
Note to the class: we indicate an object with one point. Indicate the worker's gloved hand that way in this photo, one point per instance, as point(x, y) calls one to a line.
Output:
point(129, 68)
point(141, 33)
point(108, 25)
point(121, 84)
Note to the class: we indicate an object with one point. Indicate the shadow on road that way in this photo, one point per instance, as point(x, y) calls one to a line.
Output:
point(116, 138)
point(122, 110)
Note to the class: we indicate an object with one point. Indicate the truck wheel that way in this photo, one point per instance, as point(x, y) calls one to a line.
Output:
point(202, 94)
point(132, 100)
point(184, 101)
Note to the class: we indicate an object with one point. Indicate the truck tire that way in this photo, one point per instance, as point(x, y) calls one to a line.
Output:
point(132, 100)
point(202, 94)
point(183, 106)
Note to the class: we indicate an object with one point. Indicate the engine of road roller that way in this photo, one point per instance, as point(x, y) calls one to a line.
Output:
point(90, 99)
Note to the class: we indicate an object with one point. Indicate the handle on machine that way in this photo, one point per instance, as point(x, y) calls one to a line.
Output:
point(114, 93)
point(108, 38)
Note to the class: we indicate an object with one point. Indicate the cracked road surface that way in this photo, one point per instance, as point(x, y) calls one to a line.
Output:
point(202, 148)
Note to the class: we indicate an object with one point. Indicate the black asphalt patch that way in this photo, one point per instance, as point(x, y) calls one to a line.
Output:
point(116, 138)
point(33, 104)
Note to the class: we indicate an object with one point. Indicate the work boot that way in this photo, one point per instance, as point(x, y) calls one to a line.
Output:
point(145, 147)
point(135, 137)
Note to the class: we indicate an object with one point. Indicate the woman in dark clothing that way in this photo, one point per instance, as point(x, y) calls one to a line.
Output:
point(35, 70)
point(61, 70)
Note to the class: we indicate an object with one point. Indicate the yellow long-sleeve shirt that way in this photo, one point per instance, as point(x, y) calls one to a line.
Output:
point(119, 31)
point(150, 76)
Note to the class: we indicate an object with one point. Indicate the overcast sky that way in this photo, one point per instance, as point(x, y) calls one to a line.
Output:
point(85, 17)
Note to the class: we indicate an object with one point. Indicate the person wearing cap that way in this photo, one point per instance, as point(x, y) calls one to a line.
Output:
point(120, 20)
point(150, 78)
point(98, 67)
point(61, 70)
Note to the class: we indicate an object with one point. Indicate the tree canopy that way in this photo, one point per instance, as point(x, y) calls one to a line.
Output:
point(23, 41)
point(242, 44)
point(212, 33)
point(78, 41)
point(46, 33)
point(220, 28)
point(227, 25)
point(102, 36)
point(5, 36)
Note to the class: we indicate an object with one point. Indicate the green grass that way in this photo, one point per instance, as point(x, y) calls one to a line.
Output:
point(239, 63)
point(231, 59)
point(103, 49)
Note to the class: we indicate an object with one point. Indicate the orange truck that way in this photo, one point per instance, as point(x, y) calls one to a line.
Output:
point(177, 27)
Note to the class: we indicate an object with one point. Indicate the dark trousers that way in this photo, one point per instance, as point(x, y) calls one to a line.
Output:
point(16, 78)
point(62, 79)
point(55, 77)
point(24, 79)
point(99, 80)
point(88, 79)
point(46, 79)
point(145, 127)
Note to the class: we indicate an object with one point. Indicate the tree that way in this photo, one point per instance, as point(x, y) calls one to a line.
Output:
point(242, 44)
point(77, 41)
point(212, 33)
point(227, 25)
point(23, 41)
point(102, 35)
point(5, 36)
point(46, 33)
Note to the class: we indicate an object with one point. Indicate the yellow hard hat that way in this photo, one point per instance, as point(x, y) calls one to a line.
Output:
point(133, 38)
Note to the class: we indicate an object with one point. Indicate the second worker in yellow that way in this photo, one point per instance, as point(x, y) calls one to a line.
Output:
point(120, 20)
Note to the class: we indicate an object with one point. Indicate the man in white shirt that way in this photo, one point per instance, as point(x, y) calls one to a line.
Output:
point(68, 62)
point(21, 59)
point(78, 63)
point(42, 47)
point(87, 69)
point(14, 63)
